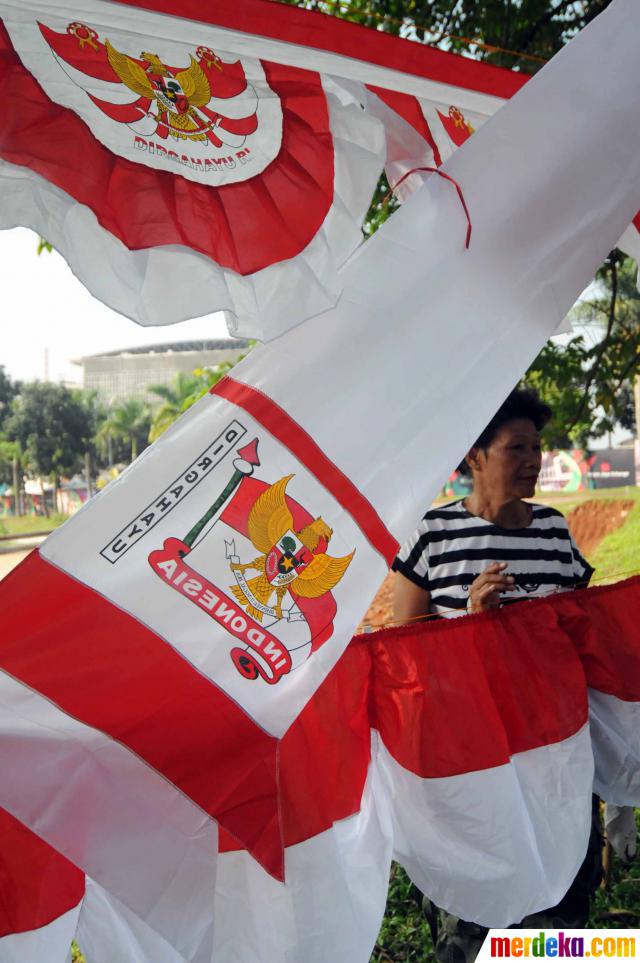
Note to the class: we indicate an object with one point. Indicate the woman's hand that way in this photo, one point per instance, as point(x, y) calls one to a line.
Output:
point(484, 592)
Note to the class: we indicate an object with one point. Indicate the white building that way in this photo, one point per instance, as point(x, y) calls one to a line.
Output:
point(117, 375)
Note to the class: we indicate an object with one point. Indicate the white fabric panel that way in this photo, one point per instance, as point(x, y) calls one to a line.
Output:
point(108, 932)
point(168, 284)
point(111, 815)
point(48, 944)
point(133, 586)
point(428, 338)
point(332, 903)
point(494, 845)
point(615, 729)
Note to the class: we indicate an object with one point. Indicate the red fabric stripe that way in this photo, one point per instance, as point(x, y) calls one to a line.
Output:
point(322, 32)
point(290, 434)
point(454, 696)
point(245, 226)
point(409, 108)
point(604, 624)
point(105, 668)
point(37, 884)
point(324, 756)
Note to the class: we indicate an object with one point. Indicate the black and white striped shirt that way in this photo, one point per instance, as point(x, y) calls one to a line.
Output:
point(451, 547)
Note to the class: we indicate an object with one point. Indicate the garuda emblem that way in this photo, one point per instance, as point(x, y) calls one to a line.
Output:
point(290, 561)
point(279, 616)
point(207, 100)
point(177, 94)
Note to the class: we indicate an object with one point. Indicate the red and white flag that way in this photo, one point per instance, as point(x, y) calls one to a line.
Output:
point(186, 159)
point(40, 896)
point(177, 709)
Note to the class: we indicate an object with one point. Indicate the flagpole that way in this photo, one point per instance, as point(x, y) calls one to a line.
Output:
point(229, 488)
point(243, 467)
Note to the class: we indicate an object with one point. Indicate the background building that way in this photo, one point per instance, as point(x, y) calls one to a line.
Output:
point(117, 375)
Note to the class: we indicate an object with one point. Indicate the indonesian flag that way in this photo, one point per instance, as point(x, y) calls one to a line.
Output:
point(187, 157)
point(180, 712)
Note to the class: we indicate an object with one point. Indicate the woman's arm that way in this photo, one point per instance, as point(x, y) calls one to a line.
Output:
point(409, 600)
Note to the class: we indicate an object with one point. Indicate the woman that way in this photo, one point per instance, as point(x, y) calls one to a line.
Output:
point(473, 554)
point(476, 554)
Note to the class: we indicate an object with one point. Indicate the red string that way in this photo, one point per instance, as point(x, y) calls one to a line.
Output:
point(440, 173)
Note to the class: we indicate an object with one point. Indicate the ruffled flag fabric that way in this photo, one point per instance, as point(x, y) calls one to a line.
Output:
point(186, 158)
point(40, 897)
point(178, 713)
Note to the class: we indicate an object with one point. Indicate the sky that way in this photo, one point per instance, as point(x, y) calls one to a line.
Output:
point(46, 311)
point(49, 318)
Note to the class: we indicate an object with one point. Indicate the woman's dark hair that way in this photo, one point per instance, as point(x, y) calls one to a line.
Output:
point(521, 403)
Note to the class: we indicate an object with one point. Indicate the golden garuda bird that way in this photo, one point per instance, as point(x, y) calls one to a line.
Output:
point(289, 560)
point(177, 93)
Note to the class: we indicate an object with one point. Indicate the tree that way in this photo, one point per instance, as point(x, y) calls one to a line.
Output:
point(588, 382)
point(9, 452)
point(129, 421)
point(52, 426)
point(8, 391)
point(509, 33)
point(183, 392)
point(176, 398)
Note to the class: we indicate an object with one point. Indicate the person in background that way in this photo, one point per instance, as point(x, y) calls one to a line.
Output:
point(477, 553)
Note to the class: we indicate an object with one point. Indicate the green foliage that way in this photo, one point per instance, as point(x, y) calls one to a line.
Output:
point(617, 906)
point(612, 317)
point(76, 954)
point(8, 391)
point(404, 935)
point(558, 376)
point(619, 552)
point(44, 245)
point(183, 392)
point(588, 382)
point(537, 28)
point(382, 206)
point(25, 524)
point(9, 450)
point(53, 427)
point(129, 421)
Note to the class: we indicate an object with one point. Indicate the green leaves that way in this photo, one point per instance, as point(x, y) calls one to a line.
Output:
point(53, 427)
point(183, 392)
point(588, 381)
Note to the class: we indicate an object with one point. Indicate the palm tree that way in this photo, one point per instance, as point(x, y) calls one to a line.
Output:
point(126, 420)
point(176, 398)
point(183, 391)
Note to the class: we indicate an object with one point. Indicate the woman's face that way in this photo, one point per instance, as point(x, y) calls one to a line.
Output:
point(511, 464)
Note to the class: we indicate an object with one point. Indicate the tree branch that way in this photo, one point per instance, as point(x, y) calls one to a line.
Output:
point(446, 23)
point(628, 368)
point(601, 347)
point(541, 22)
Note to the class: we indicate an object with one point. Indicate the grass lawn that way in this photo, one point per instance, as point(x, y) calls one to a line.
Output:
point(618, 555)
point(25, 524)
point(566, 503)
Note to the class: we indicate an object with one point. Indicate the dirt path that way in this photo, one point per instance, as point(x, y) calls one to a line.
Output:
point(589, 523)
point(9, 560)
